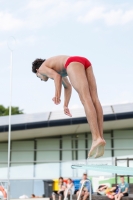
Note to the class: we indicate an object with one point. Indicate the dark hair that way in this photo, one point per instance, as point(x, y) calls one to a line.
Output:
point(36, 64)
point(121, 176)
point(102, 186)
point(61, 178)
point(33, 195)
point(85, 174)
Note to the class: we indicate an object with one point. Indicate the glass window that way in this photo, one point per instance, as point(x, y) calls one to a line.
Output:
point(123, 153)
point(47, 156)
point(81, 141)
point(89, 140)
point(21, 187)
point(22, 156)
point(3, 156)
point(66, 170)
point(4, 146)
point(48, 144)
point(3, 171)
point(66, 142)
point(47, 170)
point(20, 151)
point(51, 149)
point(22, 171)
point(3, 152)
point(123, 134)
point(123, 143)
point(131, 163)
point(81, 154)
point(107, 154)
point(66, 155)
point(22, 145)
point(81, 146)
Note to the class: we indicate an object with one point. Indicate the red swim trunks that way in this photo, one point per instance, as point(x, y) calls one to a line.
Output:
point(79, 59)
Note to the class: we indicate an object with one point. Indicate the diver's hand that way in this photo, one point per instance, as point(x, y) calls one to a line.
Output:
point(56, 100)
point(67, 111)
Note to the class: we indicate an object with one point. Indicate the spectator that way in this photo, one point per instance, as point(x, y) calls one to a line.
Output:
point(86, 188)
point(2, 189)
point(102, 190)
point(111, 192)
point(60, 192)
point(69, 187)
point(123, 189)
point(33, 196)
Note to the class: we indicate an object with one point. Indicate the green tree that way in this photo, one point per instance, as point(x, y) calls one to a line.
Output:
point(5, 111)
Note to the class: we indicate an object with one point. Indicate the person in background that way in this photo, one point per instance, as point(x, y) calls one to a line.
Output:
point(60, 192)
point(123, 189)
point(33, 196)
point(102, 190)
point(69, 188)
point(86, 188)
point(111, 192)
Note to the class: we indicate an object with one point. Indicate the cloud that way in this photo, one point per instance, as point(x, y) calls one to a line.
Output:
point(50, 12)
point(109, 16)
point(35, 14)
point(92, 15)
point(9, 22)
point(30, 40)
point(3, 44)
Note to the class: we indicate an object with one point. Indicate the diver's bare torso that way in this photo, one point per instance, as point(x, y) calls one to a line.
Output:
point(57, 63)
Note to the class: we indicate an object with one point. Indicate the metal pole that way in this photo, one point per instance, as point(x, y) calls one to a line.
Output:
point(68, 190)
point(9, 129)
point(11, 43)
point(128, 177)
point(82, 188)
point(115, 174)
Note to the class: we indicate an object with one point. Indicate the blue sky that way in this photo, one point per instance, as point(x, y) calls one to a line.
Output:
point(100, 30)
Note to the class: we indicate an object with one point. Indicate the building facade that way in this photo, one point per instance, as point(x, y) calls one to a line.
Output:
point(45, 145)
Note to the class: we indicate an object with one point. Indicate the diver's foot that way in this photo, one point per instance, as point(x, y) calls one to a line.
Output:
point(95, 145)
point(100, 151)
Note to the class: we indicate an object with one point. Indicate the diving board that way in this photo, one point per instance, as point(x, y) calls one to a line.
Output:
point(106, 168)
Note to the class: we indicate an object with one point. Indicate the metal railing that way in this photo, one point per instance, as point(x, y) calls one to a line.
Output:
point(68, 190)
point(90, 195)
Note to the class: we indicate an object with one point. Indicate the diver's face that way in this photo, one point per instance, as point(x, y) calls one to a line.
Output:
point(42, 78)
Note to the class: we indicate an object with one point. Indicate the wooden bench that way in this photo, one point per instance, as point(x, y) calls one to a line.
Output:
point(35, 198)
point(100, 197)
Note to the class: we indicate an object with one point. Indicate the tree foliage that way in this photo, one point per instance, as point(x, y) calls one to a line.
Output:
point(5, 111)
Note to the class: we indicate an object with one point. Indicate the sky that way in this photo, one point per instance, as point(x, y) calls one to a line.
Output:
point(100, 30)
